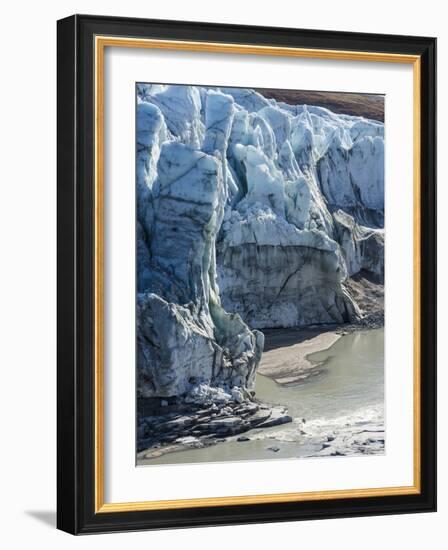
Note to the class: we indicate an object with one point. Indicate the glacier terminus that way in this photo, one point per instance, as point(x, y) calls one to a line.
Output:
point(252, 215)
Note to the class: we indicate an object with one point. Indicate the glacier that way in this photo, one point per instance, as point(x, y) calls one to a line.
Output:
point(251, 214)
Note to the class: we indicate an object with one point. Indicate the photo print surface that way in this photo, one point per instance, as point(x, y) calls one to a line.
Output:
point(260, 274)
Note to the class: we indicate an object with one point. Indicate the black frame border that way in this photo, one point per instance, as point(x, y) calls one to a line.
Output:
point(75, 265)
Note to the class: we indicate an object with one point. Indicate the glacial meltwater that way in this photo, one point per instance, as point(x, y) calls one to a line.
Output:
point(338, 412)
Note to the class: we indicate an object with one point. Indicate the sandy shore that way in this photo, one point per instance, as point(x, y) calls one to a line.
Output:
point(285, 358)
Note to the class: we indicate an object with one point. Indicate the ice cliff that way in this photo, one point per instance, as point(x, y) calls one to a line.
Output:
point(250, 213)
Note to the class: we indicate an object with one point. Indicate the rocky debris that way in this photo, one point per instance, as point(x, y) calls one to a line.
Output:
point(369, 295)
point(276, 418)
point(347, 443)
point(355, 436)
point(190, 424)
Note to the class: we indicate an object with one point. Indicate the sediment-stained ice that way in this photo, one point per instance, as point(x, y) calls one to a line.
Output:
point(250, 214)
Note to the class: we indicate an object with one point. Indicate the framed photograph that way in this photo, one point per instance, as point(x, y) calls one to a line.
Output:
point(246, 274)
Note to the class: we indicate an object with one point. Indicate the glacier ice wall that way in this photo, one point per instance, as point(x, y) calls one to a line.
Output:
point(250, 213)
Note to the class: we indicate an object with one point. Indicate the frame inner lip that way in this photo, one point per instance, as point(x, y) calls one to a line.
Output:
point(102, 41)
